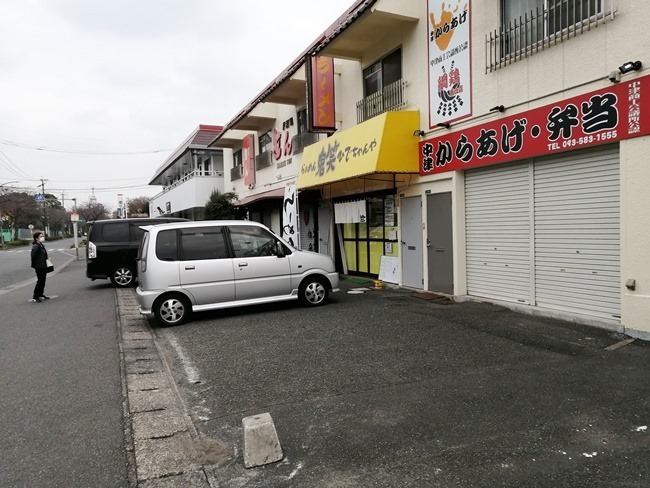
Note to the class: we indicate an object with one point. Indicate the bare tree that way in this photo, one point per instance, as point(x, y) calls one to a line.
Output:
point(92, 211)
point(21, 210)
point(138, 207)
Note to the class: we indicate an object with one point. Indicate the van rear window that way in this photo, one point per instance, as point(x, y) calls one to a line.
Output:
point(115, 232)
point(166, 248)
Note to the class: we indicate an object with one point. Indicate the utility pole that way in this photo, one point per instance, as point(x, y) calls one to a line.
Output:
point(44, 206)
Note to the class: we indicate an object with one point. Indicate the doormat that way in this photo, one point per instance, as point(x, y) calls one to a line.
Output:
point(433, 297)
point(361, 281)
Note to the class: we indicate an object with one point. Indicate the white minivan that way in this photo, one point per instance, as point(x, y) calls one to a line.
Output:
point(207, 265)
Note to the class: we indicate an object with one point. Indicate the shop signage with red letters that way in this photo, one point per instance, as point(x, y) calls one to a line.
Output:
point(618, 112)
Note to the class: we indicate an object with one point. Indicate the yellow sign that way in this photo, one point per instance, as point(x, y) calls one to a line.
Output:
point(383, 144)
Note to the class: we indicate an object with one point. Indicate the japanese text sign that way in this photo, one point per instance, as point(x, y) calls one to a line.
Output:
point(320, 101)
point(599, 117)
point(248, 151)
point(449, 41)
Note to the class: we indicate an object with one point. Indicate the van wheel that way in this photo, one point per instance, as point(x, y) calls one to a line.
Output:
point(123, 276)
point(313, 291)
point(172, 309)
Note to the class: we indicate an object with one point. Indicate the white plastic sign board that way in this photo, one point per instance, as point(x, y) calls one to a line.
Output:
point(389, 269)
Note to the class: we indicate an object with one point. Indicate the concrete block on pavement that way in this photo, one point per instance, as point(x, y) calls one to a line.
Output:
point(261, 443)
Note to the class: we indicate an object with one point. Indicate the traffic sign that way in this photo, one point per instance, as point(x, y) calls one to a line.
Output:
point(74, 217)
point(39, 197)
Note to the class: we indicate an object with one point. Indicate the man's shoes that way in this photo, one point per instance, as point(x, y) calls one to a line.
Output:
point(36, 299)
point(44, 297)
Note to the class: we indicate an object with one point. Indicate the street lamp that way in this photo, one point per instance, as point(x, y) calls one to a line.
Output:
point(2, 236)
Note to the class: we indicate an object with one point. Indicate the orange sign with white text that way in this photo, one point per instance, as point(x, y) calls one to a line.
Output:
point(321, 94)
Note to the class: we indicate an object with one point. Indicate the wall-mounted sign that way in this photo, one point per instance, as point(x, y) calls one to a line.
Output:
point(290, 215)
point(320, 95)
point(248, 157)
point(614, 113)
point(449, 41)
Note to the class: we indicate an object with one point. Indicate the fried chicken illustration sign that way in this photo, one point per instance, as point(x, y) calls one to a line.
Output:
point(450, 87)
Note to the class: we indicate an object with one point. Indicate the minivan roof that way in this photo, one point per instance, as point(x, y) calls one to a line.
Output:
point(142, 219)
point(204, 223)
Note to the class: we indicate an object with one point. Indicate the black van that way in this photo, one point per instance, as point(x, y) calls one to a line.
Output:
point(112, 247)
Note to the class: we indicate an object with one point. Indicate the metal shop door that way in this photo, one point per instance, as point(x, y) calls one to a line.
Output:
point(440, 251)
point(411, 244)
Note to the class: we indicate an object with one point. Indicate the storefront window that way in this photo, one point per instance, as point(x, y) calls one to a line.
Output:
point(366, 242)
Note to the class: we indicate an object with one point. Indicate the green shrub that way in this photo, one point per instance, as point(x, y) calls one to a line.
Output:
point(18, 243)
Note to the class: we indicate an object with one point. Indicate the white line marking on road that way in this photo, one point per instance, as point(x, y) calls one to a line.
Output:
point(191, 372)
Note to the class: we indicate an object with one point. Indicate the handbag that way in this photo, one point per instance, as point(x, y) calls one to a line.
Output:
point(50, 265)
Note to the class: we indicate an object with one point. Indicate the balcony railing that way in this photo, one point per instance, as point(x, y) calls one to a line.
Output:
point(301, 141)
point(236, 173)
point(554, 23)
point(189, 176)
point(263, 160)
point(391, 97)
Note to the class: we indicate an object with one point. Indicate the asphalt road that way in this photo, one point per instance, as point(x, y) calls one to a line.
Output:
point(385, 389)
point(60, 380)
point(15, 261)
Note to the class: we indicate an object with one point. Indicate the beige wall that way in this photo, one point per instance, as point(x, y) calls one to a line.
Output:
point(635, 233)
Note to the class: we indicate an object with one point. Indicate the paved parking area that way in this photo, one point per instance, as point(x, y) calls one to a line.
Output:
point(383, 388)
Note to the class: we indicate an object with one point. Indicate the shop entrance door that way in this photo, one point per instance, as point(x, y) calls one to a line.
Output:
point(411, 244)
point(440, 249)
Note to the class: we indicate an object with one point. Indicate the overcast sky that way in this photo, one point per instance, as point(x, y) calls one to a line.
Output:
point(97, 93)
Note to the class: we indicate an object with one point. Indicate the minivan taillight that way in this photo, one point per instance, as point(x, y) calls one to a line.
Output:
point(92, 250)
point(143, 265)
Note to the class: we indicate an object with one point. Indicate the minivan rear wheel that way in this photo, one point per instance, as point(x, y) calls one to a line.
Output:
point(313, 291)
point(172, 309)
point(123, 276)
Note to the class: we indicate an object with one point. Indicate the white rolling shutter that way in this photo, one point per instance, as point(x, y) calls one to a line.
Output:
point(577, 233)
point(498, 230)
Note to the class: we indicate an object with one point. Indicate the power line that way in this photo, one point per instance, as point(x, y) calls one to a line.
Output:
point(80, 151)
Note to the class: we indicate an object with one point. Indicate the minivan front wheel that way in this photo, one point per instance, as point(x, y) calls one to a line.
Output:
point(313, 291)
point(123, 276)
point(172, 309)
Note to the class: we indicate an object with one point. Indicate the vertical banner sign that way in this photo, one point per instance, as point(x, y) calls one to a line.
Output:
point(120, 206)
point(290, 215)
point(611, 114)
point(320, 96)
point(450, 84)
point(248, 155)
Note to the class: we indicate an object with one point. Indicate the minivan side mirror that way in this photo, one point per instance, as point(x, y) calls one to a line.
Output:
point(279, 250)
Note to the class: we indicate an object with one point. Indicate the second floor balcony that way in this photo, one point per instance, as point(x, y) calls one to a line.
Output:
point(263, 160)
point(389, 98)
point(236, 172)
point(191, 191)
point(300, 141)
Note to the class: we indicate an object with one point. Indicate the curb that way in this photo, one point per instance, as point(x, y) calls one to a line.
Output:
point(162, 443)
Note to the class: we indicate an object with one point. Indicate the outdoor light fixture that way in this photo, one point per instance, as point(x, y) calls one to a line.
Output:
point(160, 210)
point(446, 125)
point(498, 108)
point(418, 133)
point(630, 66)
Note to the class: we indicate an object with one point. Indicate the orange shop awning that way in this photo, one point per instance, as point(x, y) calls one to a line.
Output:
point(383, 144)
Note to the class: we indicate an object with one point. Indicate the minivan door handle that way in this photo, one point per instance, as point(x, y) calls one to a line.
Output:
point(190, 267)
point(241, 265)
